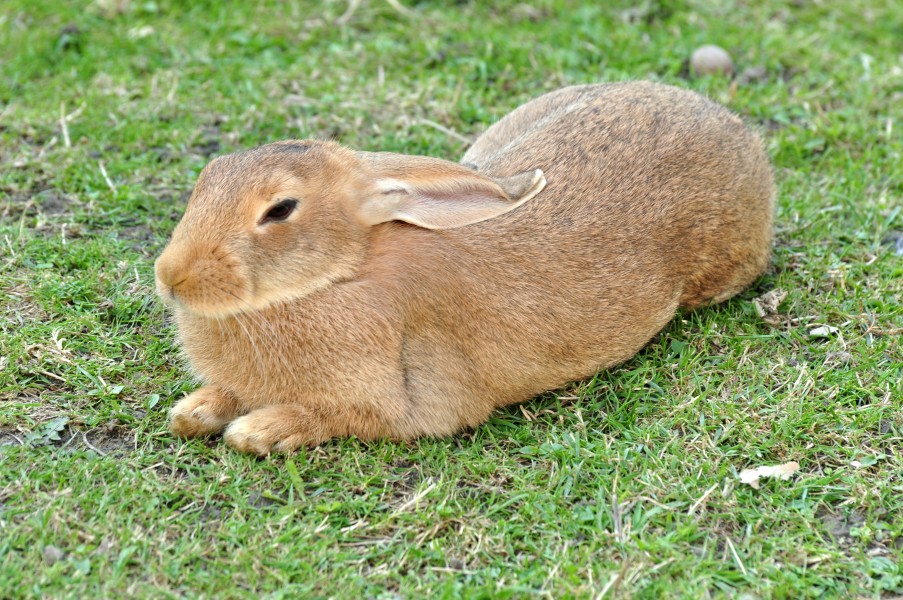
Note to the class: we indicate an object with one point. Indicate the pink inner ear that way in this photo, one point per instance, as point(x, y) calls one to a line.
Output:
point(445, 200)
point(447, 208)
point(394, 191)
point(450, 199)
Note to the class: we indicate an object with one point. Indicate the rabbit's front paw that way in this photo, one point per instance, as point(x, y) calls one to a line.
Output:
point(273, 429)
point(203, 412)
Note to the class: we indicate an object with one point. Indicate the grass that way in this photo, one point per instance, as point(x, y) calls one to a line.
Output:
point(622, 485)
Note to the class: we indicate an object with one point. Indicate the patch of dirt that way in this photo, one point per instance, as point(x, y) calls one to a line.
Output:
point(210, 512)
point(407, 478)
point(10, 437)
point(840, 526)
point(478, 491)
point(877, 543)
point(70, 38)
point(207, 147)
point(38, 200)
point(771, 125)
point(259, 501)
point(894, 239)
point(755, 74)
point(49, 208)
point(402, 480)
point(109, 440)
point(137, 233)
point(52, 208)
point(54, 203)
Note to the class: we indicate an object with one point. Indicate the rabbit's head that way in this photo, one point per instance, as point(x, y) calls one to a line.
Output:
point(286, 219)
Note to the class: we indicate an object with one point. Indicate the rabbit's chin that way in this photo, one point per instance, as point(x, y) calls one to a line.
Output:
point(209, 313)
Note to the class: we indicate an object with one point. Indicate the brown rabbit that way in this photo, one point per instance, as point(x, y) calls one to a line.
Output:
point(322, 292)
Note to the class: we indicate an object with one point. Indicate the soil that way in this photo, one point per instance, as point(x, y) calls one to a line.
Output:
point(109, 440)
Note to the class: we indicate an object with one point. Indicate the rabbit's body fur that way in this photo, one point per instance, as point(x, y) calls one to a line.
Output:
point(656, 198)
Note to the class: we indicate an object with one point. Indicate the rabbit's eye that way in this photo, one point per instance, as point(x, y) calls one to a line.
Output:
point(280, 211)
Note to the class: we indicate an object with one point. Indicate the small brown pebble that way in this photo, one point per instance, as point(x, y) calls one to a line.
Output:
point(709, 60)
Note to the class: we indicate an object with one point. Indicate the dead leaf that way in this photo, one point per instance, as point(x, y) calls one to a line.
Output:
point(838, 358)
point(767, 305)
point(825, 331)
point(752, 476)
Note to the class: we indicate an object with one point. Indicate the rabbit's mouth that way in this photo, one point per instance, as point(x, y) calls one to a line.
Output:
point(217, 300)
point(209, 282)
point(167, 292)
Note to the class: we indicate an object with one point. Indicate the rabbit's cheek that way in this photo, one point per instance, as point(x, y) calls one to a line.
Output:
point(209, 288)
point(292, 289)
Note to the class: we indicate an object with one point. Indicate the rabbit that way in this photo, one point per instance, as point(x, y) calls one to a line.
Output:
point(322, 292)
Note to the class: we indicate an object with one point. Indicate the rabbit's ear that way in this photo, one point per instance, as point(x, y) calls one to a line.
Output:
point(522, 186)
point(436, 198)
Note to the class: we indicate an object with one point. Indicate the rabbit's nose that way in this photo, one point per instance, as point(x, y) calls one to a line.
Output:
point(166, 270)
point(170, 271)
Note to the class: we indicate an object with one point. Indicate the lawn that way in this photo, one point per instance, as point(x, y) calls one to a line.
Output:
point(623, 485)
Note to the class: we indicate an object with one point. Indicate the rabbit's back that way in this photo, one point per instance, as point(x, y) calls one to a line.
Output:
point(650, 168)
point(656, 198)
